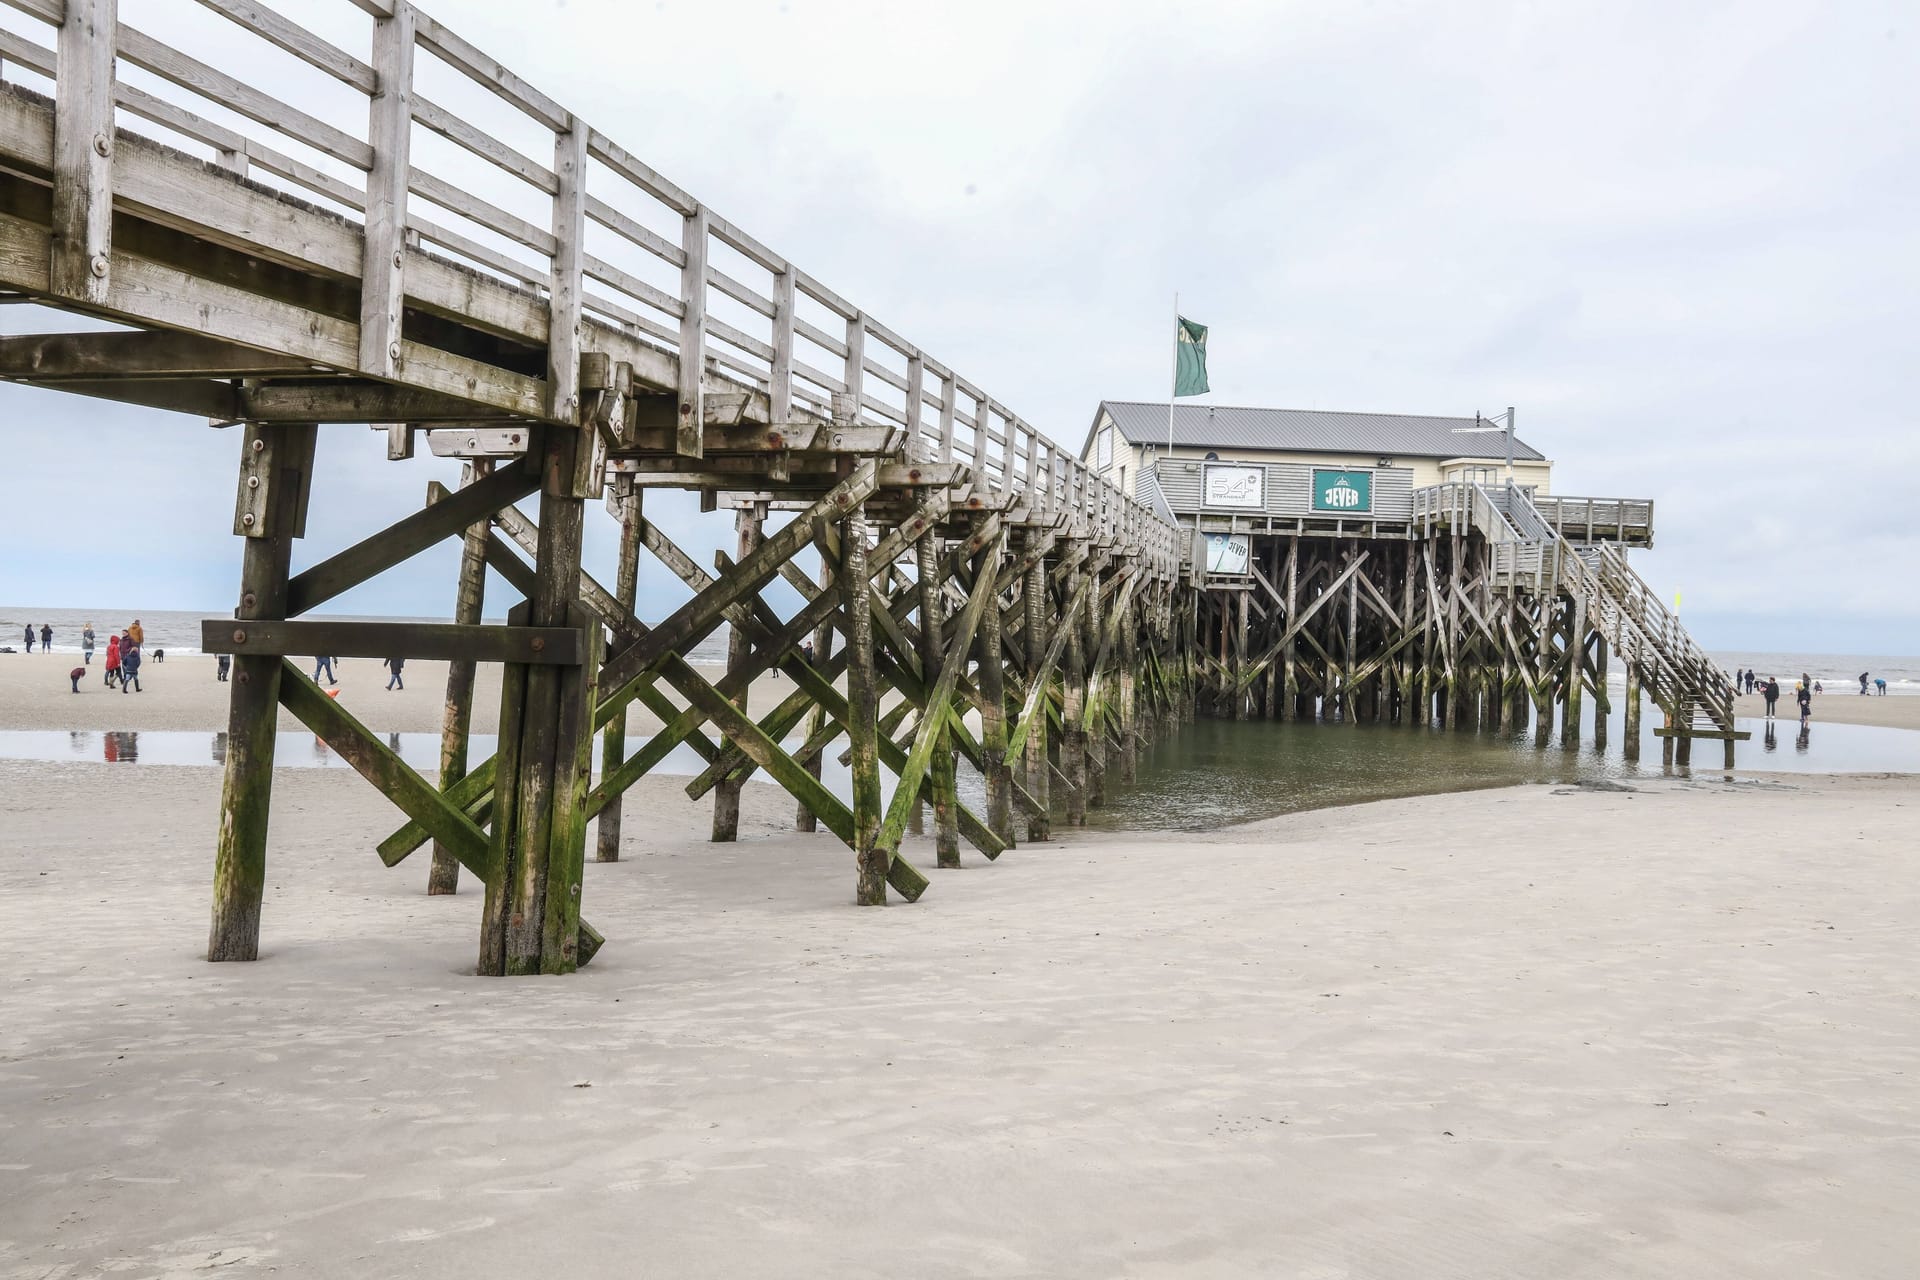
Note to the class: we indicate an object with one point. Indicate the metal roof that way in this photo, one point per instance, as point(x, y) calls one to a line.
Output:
point(1410, 435)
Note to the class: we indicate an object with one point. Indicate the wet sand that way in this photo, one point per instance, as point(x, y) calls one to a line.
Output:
point(1843, 707)
point(1665, 1033)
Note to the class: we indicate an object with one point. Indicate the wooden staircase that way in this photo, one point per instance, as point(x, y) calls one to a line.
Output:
point(1530, 554)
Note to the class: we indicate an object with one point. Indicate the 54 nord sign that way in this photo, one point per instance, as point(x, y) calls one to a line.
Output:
point(1348, 491)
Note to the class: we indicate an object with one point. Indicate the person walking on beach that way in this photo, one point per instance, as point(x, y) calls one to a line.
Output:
point(113, 662)
point(74, 675)
point(46, 638)
point(1771, 691)
point(130, 668)
point(1880, 685)
point(1863, 684)
point(1805, 697)
point(221, 666)
point(86, 644)
point(1863, 679)
point(137, 632)
point(326, 665)
point(394, 665)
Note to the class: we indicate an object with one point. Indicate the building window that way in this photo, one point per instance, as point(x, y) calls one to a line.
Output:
point(1103, 449)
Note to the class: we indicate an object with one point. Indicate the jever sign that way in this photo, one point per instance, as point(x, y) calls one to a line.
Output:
point(1342, 491)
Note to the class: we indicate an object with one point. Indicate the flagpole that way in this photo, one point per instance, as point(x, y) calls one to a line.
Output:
point(1173, 383)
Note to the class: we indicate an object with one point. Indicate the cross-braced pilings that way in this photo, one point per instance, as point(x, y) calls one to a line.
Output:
point(1480, 615)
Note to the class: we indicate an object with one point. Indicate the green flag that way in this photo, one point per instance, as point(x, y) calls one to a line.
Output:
point(1189, 358)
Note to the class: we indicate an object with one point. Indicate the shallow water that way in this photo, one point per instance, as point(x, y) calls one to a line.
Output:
point(1215, 773)
point(1212, 773)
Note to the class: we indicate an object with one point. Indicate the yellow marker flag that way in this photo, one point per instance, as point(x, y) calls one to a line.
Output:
point(1676, 602)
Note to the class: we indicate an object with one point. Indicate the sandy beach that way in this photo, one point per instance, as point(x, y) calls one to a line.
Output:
point(1410, 1038)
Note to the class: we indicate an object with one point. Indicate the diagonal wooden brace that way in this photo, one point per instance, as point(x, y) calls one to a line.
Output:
point(383, 767)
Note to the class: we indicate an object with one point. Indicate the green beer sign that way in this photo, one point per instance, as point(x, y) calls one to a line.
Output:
point(1342, 491)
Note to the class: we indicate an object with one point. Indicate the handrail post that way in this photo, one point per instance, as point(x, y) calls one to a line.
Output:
point(690, 431)
point(780, 386)
point(855, 371)
point(566, 287)
point(81, 247)
point(949, 394)
point(916, 389)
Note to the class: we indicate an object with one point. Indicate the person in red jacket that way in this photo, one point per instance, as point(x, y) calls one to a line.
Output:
point(113, 661)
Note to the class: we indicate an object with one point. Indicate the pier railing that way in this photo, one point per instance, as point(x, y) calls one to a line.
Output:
point(1593, 520)
point(434, 154)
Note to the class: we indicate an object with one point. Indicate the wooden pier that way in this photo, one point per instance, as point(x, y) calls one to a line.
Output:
point(972, 589)
point(966, 587)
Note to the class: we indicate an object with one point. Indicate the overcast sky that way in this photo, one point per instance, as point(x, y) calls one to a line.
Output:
point(1683, 239)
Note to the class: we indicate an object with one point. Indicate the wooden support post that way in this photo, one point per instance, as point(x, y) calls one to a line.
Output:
point(747, 524)
point(1242, 605)
point(1350, 651)
point(1602, 702)
point(1543, 670)
point(1093, 724)
point(613, 740)
point(991, 679)
point(83, 141)
point(1039, 637)
point(1073, 728)
point(1576, 673)
point(863, 706)
point(457, 717)
point(1289, 678)
point(941, 772)
point(276, 466)
point(804, 818)
point(522, 930)
point(1630, 725)
point(1129, 742)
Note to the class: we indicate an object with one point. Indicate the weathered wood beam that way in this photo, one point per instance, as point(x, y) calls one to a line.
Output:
point(548, 646)
point(409, 537)
point(353, 401)
point(61, 357)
